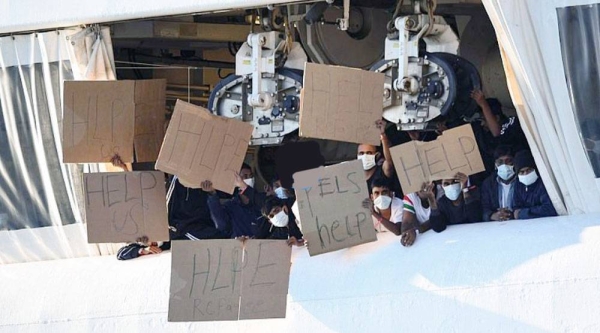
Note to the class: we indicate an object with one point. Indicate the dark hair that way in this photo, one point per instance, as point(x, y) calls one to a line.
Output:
point(380, 182)
point(275, 178)
point(523, 159)
point(270, 203)
point(246, 166)
point(503, 150)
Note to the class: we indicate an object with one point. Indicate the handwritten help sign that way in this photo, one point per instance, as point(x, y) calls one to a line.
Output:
point(200, 146)
point(98, 121)
point(330, 205)
point(123, 206)
point(455, 151)
point(340, 103)
point(229, 280)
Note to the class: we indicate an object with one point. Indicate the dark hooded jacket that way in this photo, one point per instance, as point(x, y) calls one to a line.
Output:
point(233, 217)
point(532, 201)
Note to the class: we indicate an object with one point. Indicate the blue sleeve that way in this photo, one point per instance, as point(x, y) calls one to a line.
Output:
point(218, 213)
point(130, 251)
point(545, 207)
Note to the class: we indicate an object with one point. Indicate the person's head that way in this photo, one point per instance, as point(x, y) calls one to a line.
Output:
point(381, 193)
point(496, 108)
point(503, 160)
point(276, 212)
point(247, 175)
point(525, 166)
point(368, 155)
point(280, 191)
point(452, 188)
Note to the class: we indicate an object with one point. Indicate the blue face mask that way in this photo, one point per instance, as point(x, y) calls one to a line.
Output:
point(506, 172)
point(280, 193)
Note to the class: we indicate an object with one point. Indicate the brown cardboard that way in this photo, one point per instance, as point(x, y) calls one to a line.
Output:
point(200, 146)
point(341, 103)
point(211, 280)
point(265, 279)
point(150, 101)
point(330, 205)
point(98, 121)
point(122, 206)
point(455, 151)
point(205, 280)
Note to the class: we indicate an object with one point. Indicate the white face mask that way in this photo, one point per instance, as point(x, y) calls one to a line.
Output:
point(382, 202)
point(452, 192)
point(529, 178)
point(506, 172)
point(249, 182)
point(280, 219)
point(280, 193)
point(368, 161)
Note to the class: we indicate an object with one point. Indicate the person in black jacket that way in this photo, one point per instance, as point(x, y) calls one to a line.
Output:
point(189, 215)
point(460, 204)
point(238, 216)
point(279, 223)
point(531, 198)
point(497, 191)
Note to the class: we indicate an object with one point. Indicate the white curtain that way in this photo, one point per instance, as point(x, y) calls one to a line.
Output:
point(527, 33)
point(41, 210)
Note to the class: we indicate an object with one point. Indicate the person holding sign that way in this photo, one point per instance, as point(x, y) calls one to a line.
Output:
point(460, 204)
point(385, 208)
point(417, 208)
point(280, 223)
point(531, 198)
point(238, 216)
point(497, 190)
point(189, 215)
point(374, 169)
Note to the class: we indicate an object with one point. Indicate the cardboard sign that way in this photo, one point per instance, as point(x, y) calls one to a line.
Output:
point(104, 118)
point(330, 205)
point(150, 101)
point(200, 146)
point(98, 121)
point(455, 151)
point(123, 206)
point(229, 280)
point(340, 103)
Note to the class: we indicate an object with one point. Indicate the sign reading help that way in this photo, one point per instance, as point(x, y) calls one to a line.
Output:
point(200, 146)
point(229, 280)
point(330, 205)
point(417, 162)
point(122, 206)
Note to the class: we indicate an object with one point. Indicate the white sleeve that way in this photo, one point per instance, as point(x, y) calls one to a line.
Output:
point(397, 209)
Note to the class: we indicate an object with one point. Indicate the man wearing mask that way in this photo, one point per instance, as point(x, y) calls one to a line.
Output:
point(460, 204)
point(370, 157)
point(531, 198)
point(498, 189)
point(238, 216)
point(279, 223)
point(385, 208)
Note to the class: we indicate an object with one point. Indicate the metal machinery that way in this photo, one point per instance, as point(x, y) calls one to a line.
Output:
point(266, 88)
point(424, 84)
point(424, 76)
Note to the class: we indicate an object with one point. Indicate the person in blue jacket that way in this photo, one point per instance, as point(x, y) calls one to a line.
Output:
point(497, 191)
point(239, 216)
point(531, 199)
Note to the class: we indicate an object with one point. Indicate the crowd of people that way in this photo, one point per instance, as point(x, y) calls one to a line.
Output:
point(509, 189)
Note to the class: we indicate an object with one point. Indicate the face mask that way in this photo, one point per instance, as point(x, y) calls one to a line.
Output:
point(506, 172)
point(280, 193)
point(249, 182)
point(452, 192)
point(368, 161)
point(529, 178)
point(280, 219)
point(382, 202)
